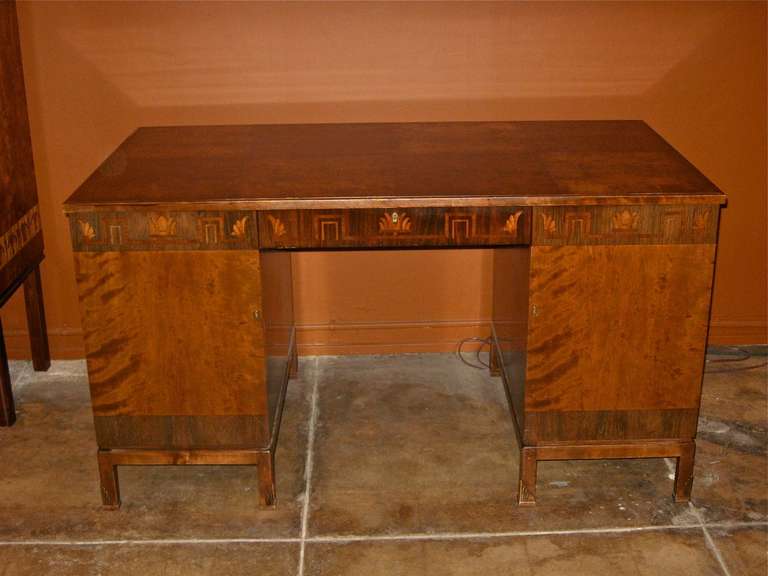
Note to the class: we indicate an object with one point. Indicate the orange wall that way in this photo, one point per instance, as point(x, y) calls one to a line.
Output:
point(695, 71)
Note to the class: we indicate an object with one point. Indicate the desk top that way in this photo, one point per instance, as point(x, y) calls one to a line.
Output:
point(405, 164)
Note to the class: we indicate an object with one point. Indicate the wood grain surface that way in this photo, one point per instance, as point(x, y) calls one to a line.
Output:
point(172, 333)
point(617, 328)
point(394, 227)
point(357, 165)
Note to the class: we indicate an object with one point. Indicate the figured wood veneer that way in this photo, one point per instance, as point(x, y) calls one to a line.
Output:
point(604, 241)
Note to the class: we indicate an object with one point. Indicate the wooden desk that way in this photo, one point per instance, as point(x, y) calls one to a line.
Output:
point(604, 240)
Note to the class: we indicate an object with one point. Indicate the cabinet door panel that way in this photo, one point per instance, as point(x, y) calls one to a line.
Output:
point(617, 329)
point(171, 336)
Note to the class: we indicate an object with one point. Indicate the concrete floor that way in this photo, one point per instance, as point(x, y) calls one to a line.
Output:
point(386, 466)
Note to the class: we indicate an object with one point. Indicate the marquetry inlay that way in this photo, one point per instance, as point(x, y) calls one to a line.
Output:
point(460, 225)
point(183, 230)
point(701, 219)
point(646, 224)
point(394, 223)
point(160, 225)
point(86, 230)
point(238, 228)
point(329, 227)
point(624, 220)
point(19, 235)
point(278, 228)
point(548, 222)
point(510, 225)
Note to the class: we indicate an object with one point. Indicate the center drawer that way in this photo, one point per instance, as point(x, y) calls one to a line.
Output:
point(393, 227)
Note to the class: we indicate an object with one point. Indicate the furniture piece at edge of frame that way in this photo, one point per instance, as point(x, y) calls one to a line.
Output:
point(601, 345)
point(21, 238)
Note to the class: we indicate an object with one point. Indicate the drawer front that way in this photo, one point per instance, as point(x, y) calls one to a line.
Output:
point(646, 224)
point(393, 227)
point(163, 230)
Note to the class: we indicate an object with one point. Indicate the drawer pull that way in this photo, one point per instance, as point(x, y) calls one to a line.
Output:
point(394, 223)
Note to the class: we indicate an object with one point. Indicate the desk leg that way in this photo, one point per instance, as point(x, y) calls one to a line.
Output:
point(7, 408)
point(110, 485)
point(493, 358)
point(38, 334)
point(684, 472)
point(267, 493)
point(526, 495)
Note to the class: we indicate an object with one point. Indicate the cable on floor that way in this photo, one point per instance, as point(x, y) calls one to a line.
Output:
point(732, 354)
point(483, 343)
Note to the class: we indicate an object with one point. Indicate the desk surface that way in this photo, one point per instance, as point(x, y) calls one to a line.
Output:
point(416, 164)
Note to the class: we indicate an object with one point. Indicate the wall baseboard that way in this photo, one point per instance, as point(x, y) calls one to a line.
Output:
point(380, 337)
point(734, 332)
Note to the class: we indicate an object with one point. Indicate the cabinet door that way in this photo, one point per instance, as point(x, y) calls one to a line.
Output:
point(616, 341)
point(175, 348)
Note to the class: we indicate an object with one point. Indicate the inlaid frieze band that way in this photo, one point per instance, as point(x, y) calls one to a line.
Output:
point(19, 235)
point(645, 224)
point(161, 230)
point(394, 226)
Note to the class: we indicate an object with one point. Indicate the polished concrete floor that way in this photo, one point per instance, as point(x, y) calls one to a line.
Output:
point(390, 466)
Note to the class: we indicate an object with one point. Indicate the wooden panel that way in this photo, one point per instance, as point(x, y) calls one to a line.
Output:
point(394, 227)
point(510, 322)
point(173, 333)
point(617, 328)
point(601, 425)
point(142, 230)
point(277, 314)
point(181, 432)
point(649, 224)
point(363, 165)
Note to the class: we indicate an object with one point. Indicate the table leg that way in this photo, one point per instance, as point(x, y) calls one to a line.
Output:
point(493, 359)
point(38, 334)
point(684, 472)
point(7, 408)
point(110, 484)
point(267, 493)
point(527, 490)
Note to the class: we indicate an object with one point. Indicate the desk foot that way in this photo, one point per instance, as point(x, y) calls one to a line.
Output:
point(267, 493)
point(110, 484)
point(684, 472)
point(493, 358)
point(526, 495)
point(7, 407)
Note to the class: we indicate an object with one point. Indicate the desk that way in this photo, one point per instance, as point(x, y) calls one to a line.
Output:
point(604, 243)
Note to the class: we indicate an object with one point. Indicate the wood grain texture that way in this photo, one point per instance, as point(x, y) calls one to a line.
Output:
point(394, 227)
point(17, 173)
point(172, 333)
point(617, 328)
point(626, 224)
point(289, 166)
point(143, 230)
point(647, 338)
